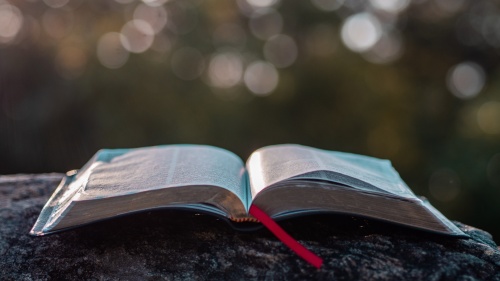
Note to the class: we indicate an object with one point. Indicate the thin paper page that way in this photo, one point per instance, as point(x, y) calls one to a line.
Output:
point(273, 164)
point(377, 172)
point(166, 166)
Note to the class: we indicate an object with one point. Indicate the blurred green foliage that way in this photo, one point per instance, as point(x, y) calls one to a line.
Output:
point(405, 99)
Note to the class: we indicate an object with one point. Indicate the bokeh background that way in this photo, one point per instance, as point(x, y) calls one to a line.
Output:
point(416, 82)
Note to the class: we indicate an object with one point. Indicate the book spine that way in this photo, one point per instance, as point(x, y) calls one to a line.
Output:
point(247, 219)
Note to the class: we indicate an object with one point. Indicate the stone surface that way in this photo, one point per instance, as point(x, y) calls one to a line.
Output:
point(173, 245)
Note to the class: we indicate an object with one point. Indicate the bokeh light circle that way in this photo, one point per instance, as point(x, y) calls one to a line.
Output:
point(225, 70)
point(154, 3)
point(360, 32)
point(262, 3)
point(466, 80)
point(281, 50)
point(488, 117)
point(261, 78)
point(110, 51)
point(265, 23)
point(390, 6)
point(138, 36)
point(11, 21)
point(155, 16)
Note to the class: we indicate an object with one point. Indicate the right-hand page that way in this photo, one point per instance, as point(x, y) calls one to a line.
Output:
point(273, 164)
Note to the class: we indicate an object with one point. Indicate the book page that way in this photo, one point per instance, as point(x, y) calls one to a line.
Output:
point(273, 164)
point(376, 172)
point(142, 169)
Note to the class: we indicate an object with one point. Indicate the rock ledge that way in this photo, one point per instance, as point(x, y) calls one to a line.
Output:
point(181, 245)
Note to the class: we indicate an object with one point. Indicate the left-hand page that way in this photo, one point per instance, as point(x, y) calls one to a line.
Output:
point(120, 181)
point(127, 171)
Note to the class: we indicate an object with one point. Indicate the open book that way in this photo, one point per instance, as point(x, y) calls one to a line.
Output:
point(281, 180)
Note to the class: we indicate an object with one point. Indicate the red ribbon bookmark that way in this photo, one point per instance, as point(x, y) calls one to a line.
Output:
point(288, 240)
